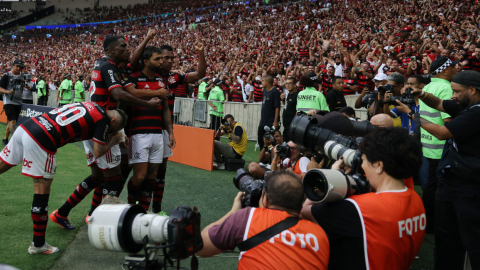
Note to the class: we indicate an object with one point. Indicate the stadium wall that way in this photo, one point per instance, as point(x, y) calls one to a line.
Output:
point(71, 4)
point(123, 3)
point(23, 7)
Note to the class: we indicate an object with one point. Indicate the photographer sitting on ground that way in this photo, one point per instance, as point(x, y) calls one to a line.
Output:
point(265, 158)
point(383, 229)
point(235, 148)
point(292, 160)
point(305, 247)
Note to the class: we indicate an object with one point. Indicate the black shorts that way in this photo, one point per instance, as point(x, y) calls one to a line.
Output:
point(12, 111)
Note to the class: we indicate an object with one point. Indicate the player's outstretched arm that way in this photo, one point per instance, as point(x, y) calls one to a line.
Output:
point(142, 93)
point(131, 100)
point(202, 65)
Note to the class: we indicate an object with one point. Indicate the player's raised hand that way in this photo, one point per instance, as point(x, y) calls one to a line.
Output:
point(199, 46)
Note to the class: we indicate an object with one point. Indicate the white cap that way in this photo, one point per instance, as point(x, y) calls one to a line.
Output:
point(380, 77)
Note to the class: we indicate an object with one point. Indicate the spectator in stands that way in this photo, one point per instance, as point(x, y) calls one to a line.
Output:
point(235, 148)
point(282, 198)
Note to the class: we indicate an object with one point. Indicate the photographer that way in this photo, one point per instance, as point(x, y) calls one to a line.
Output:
point(292, 160)
point(282, 197)
point(396, 82)
point(456, 223)
point(383, 229)
point(407, 113)
point(235, 148)
point(11, 86)
point(265, 157)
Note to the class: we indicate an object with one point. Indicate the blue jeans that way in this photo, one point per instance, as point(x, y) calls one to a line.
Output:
point(423, 173)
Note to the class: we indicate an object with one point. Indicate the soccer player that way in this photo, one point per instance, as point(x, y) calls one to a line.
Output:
point(174, 80)
point(35, 143)
point(145, 131)
point(109, 88)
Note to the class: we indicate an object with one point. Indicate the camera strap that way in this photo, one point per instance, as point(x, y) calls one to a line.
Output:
point(267, 233)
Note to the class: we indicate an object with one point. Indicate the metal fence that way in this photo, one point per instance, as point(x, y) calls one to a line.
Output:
point(193, 112)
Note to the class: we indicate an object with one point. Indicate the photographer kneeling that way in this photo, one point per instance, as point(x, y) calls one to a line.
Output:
point(235, 148)
point(292, 160)
point(301, 245)
point(383, 229)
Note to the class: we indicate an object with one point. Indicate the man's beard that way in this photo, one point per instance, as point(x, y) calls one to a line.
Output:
point(465, 102)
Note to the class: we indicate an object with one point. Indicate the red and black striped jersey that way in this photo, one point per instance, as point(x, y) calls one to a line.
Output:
point(181, 90)
point(304, 53)
point(106, 76)
point(349, 82)
point(326, 83)
point(364, 81)
point(226, 91)
point(143, 120)
point(257, 91)
point(237, 97)
point(72, 122)
point(173, 81)
point(474, 63)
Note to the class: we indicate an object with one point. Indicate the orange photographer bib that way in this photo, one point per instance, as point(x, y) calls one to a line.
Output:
point(303, 246)
point(393, 225)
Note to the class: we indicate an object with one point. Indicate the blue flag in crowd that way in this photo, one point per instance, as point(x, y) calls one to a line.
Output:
point(14, 37)
point(49, 36)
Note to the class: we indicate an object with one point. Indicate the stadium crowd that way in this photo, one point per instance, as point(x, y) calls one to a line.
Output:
point(297, 53)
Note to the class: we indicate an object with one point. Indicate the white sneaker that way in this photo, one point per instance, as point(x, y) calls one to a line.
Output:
point(215, 165)
point(45, 249)
point(221, 166)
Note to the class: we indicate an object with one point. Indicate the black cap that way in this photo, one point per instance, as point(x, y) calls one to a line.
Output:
point(42, 77)
point(67, 75)
point(18, 62)
point(441, 63)
point(80, 77)
point(313, 77)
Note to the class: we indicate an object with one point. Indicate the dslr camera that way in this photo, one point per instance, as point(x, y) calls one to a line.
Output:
point(128, 228)
point(331, 185)
point(269, 132)
point(252, 187)
point(408, 99)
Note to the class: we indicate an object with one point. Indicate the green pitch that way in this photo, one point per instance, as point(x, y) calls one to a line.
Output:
point(211, 192)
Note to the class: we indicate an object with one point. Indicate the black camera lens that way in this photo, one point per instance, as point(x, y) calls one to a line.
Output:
point(315, 186)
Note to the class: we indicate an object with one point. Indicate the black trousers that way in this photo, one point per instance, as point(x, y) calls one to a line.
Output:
point(429, 194)
point(457, 226)
point(215, 122)
point(261, 133)
point(42, 101)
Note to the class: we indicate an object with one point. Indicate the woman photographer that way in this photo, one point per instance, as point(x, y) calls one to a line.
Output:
point(382, 229)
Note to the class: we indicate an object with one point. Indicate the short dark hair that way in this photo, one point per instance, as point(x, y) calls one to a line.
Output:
point(124, 117)
point(228, 116)
point(335, 78)
point(268, 78)
point(277, 131)
point(348, 111)
point(421, 79)
point(293, 79)
point(284, 189)
point(305, 81)
point(400, 153)
point(166, 48)
point(149, 51)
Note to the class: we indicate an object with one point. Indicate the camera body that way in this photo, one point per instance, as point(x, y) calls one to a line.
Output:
point(408, 99)
point(368, 99)
point(385, 88)
point(245, 182)
point(269, 132)
point(283, 150)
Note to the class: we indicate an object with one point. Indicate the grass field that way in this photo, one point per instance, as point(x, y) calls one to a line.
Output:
point(211, 192)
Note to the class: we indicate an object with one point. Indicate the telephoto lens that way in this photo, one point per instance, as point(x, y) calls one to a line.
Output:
point(320, 185)
point(252, 187)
